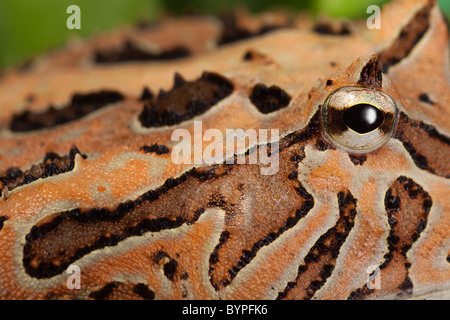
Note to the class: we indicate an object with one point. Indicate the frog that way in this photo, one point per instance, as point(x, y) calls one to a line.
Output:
point(93, 205)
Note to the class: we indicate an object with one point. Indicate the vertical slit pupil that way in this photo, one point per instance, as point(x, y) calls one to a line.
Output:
point(363, 118)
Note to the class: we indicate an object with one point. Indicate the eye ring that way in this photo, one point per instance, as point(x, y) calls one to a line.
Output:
point(359, 120)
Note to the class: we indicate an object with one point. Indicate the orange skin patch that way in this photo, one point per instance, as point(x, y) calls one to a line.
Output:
point(433, 250)
point(367, 237)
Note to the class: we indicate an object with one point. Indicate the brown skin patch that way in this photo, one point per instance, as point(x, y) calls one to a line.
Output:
point(108, 134)
point(105, 292)
point(234, 28)
point(424, 97)
point(114, 290)
point(144, 291)
point(408, 38)
point(428, 148)
point(322, 145)
point(155, 148)
point(2, 220)
point(333, 28)
point(131, 52)
point(80, 106)
point(407, 205)
point(320, 261)
point(269, 99)
point(123, 290)
point(358, 160)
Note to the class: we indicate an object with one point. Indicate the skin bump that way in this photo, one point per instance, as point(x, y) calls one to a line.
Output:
point(142, 227)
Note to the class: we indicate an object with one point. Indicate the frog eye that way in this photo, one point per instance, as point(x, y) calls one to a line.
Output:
point(359, 120)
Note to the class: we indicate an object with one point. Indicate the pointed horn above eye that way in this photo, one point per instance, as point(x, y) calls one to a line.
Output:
point(371, 74)
point(408, 36)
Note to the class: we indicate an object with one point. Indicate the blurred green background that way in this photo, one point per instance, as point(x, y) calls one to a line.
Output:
point(29, 27)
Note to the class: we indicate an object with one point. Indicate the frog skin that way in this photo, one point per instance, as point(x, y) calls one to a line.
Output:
point(90, 181)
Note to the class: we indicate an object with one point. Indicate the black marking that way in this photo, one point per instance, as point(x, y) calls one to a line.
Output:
point(419, 159)
point(407, 284)
point(248, 255)
point(2, 220)
point(313, 129)
point(329, 82)
point(159, 256)
point(185, 100)
point(297, 158)
point(214, 257)
point(197, 215)
point(178, 80)
point(80, 106)
point(144, 291)
point(213, 172)
point(232, 32)
point(433, 133)
point(184, 276)
point(293, 176)
point(30, 98)
point(249, 55)
point(131, 52)
point(270, 99)
point(253, 55)
point(334, 120)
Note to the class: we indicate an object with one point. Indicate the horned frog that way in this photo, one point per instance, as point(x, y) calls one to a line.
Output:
point(358, 207)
